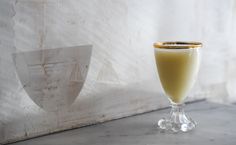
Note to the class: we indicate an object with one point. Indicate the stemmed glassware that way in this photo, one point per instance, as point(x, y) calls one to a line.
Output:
point(177, 64)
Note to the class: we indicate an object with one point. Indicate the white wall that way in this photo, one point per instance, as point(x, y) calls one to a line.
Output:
point(122, 77)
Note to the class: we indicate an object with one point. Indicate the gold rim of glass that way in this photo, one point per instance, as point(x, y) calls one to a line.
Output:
point(177, 45)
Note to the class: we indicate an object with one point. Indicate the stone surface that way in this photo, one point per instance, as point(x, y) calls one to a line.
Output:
point(122, 78)
point(216, 126)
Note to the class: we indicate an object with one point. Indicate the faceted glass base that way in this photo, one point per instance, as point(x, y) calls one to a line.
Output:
point(177, 121)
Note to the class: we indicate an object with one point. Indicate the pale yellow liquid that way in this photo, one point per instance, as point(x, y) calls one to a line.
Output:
point(177, 70)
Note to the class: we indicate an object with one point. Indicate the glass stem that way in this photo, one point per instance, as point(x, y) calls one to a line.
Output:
point(177, 114)
point(177, 120)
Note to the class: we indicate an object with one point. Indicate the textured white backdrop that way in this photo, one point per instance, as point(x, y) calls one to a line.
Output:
point(122, 77)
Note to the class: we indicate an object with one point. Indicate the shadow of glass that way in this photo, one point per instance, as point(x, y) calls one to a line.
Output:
point(53, 78)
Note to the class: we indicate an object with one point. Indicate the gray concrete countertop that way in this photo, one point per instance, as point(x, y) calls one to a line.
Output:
point(216, 126)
